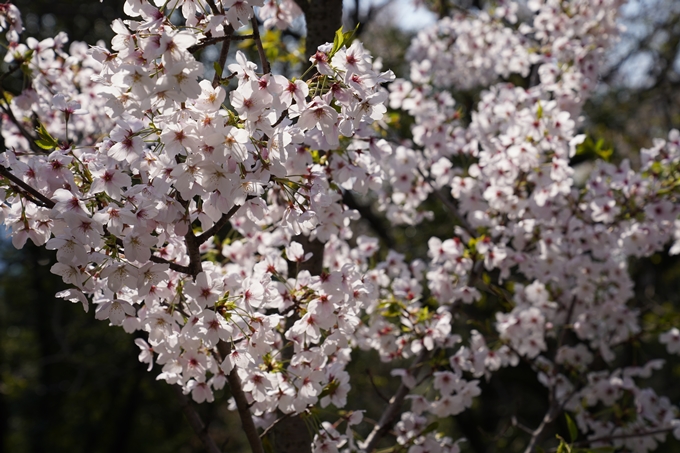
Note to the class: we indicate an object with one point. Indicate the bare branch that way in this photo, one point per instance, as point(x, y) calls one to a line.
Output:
point(191, 242)
point(174, 266)
point(222, 60)
point(31, 140)
point(612, 437)
point(46, 202)
point(213, 230)
point(390, 415)
point(195, 421)
point(375, 387)
point(260, 50)
point(205, 42)
point(451, 207)
point(535, 435)
point(376, 223)
point(241, 403)
point(213, 7)
point(273, 425)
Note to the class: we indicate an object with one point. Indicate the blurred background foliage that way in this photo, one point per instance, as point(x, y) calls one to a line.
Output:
point(69, 383)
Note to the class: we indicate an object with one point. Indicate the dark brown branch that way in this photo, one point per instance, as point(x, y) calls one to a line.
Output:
point(377, 224)
point(451, 207)
point(241, 403)
point(202, 44)
point(609, 438)
point(46, 202)
point(390, 415)
point(174, 266)
point(273, 425)
point(31, 140)
point(213, 230)
point(213, 7)
point(195, 421)
point(191, 242)
point(260, 50)
point(375, 387)
point(222, 60)
point(195, 267)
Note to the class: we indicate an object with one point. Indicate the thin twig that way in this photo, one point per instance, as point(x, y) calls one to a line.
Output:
point(195, 421)
point(270, 427)
point(375, 387)
point(260, 50)
point(609, 438)
point(46, 202)
point(547, 418)
point(213, 230)
point(153, 258)
point(221, 61)
point(11, 71)
point(8, 110)
point(205, 42)
point(241, 403)
point(452, 208)
point(174, 266)
point(390, 415)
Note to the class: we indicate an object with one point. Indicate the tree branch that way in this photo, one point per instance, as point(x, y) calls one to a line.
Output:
point(195, 267)
point(205, 42)
point(547, 418)
point(195, 264)
point(8, 110)
point(46, 202)
point(609, 438)
point(390, 415)
point(222, 60)
point(195, 421)
point(174, 266)
point(377, 224)
point(260, 50)
point(213, 7)
point(241, 403)
point(375, 387)
point(452, 208)
point(213, 230)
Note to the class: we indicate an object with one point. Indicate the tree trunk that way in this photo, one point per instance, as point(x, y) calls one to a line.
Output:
point(323, 17)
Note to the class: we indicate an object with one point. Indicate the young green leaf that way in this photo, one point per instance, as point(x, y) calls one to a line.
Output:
point(573, 430)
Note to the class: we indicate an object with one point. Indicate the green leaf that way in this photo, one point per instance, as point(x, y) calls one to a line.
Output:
point(329, 389)
point(45, 140)
point(218, 68)
point(44, 145)
point(573, 430)
point(338, 41)
point(342, 39)
point(563, 447)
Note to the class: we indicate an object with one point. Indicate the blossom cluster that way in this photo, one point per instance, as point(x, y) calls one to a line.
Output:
point(185, 208)
point(126, 210)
